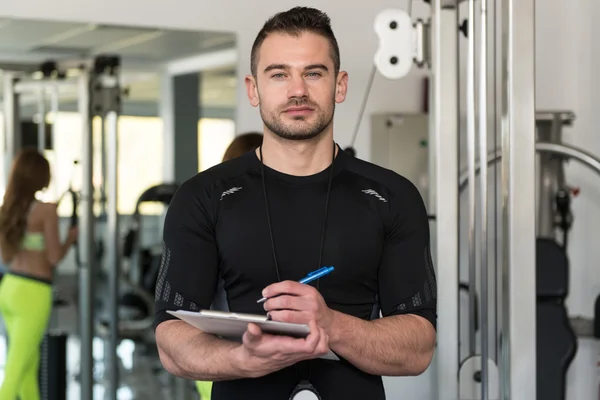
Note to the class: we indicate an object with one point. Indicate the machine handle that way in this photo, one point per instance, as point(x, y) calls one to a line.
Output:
point(466, 288)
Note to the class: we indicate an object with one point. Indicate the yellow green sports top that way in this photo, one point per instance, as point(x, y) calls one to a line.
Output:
point(33, 240)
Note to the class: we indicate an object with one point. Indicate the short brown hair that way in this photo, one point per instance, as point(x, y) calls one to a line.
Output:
point(243, 144)
point(294, 22)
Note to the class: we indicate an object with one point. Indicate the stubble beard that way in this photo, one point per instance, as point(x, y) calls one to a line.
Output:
point(302, 130)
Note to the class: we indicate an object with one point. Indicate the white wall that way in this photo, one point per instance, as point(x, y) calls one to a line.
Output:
point(567, 65)
point(353, 26)
point(568, 61)
point(567, 68)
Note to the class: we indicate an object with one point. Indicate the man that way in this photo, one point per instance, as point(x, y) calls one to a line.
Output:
point(264, 220)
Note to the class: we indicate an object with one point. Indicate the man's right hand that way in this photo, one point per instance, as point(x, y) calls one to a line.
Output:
point(262, 354)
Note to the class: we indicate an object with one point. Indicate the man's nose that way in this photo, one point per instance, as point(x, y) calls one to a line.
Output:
point(297, 87)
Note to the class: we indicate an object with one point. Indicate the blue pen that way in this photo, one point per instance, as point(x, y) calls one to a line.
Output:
point(309, 278)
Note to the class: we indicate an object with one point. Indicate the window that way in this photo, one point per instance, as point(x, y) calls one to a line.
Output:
point(214, 135)
point(141, 157)
point(140, 161)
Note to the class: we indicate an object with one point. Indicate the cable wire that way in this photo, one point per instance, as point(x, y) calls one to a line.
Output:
point(365, 100)
point(364, 104)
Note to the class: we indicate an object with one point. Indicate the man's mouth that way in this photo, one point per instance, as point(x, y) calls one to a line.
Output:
point(298, 110)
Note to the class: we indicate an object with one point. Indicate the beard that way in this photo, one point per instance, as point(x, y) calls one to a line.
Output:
point(300, 128)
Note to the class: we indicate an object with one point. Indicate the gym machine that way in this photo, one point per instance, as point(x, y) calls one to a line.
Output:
point(99, 95)
point(140, 271)
point(498, 111)
point(515, 135)
point(557, 332)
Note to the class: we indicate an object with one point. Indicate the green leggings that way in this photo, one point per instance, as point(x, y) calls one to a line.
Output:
point(204, 389)
point(25, 304)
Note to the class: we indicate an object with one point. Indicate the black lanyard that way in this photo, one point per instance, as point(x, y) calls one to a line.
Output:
point(269, 214)
point(306, 386)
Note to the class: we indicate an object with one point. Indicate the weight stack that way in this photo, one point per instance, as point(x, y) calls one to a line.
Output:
point(53, 367)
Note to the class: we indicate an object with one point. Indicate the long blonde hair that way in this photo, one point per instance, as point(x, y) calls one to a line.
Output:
point(30, 173)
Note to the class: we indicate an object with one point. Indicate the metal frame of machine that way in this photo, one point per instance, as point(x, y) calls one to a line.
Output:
point(501, 104)
point(99, 95)
point(504, 93)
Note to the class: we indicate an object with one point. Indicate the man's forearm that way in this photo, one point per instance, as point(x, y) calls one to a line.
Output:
point(400, 345)
point(191, 354)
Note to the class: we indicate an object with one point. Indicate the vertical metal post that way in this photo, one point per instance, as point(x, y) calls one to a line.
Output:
point(86, 241)
point(11, 122)
point(167, 115)
point(113, 259)
point(103, 168)
point(106, 104)
point(496, 97)
point(518, 345)
point(471, 243)
point(483, 188)
point(551, 175)
point(41, 108)
point(548, 177)
point(54, 102)
point(444, 131)
point(54, 108)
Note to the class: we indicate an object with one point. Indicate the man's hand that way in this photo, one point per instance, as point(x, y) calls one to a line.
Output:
point(262, 354)
point(297, 303)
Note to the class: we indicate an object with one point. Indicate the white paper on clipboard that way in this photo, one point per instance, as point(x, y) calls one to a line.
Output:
point(232, 326)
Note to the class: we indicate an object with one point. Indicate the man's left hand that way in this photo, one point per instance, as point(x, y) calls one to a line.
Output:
point(298, 303)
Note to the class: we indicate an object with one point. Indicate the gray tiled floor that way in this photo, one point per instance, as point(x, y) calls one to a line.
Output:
point(141, 375)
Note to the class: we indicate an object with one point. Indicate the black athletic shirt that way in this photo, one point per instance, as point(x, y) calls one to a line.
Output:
point(216, 236)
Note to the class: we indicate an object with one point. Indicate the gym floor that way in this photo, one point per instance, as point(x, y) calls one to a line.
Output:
point(141, 375)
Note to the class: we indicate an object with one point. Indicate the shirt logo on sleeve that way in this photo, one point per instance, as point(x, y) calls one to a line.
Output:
point(230, 191)
point(374, 193)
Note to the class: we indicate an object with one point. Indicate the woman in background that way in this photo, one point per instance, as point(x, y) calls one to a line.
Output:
point(30, 246)
point(240, 145)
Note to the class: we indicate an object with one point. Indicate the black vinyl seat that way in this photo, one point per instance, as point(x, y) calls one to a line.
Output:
point(556, 340)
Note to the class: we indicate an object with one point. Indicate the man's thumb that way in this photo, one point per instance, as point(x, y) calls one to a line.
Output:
point(253, 333)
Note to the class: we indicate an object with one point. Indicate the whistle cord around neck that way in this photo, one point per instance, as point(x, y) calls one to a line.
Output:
point(330, 179)
point(269, 213)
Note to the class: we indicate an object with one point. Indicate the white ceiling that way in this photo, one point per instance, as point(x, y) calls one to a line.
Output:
point(142, 52)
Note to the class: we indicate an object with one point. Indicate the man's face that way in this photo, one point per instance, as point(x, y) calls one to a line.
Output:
point(296, 86)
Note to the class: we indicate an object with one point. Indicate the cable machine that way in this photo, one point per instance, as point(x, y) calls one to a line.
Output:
point(515, 282)
point(557, 332)
point(98, 95)
point(477, 102)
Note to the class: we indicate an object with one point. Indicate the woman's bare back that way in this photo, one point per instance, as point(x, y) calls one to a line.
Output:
point(35, 260)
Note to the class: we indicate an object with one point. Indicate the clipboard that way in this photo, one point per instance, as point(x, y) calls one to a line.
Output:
point(231, 326)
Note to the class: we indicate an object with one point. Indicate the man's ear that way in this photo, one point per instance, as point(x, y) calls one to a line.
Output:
point(341, 87)
point(252, 90)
